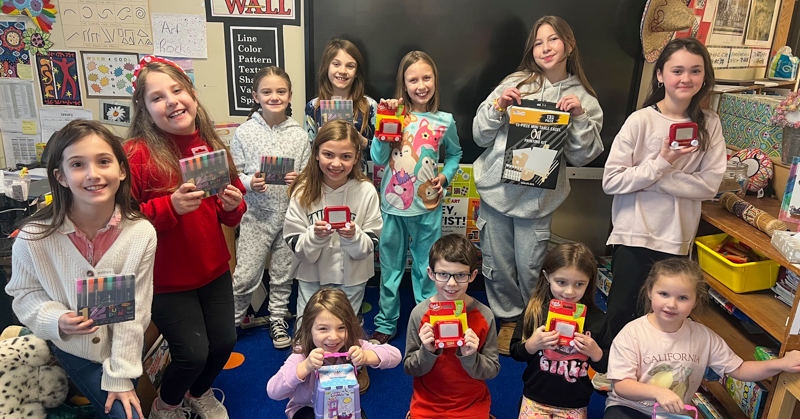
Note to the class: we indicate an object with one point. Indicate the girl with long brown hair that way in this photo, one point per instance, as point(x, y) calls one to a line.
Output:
point(192, 284)
point(515, 219)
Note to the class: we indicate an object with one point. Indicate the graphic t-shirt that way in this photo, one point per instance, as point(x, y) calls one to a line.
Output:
point(671, 360)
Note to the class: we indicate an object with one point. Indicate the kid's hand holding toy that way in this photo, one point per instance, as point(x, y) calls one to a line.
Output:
point(290, 177)
point(230, 198)
point(73, 324)
point(671, 155)
point(257, 183)
point(668, 400)
point(426, 336)
point(471, 342)
point(542, 340)
point(186, 199)
point(508, 98)
point(312, 363)
point(586, 345)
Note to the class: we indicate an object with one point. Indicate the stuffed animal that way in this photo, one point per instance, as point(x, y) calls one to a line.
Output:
point(29, 380)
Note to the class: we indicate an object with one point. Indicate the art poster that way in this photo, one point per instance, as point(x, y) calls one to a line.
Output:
point(285, 11)
point(58, 78)
point(107, 24)
point(248, 51)
point(761, 23)
point(115, 113)
point(12, 48)
point(109, 74)
point(703, 14)
point(729, 23)
point(179, 35)
point(42, 12)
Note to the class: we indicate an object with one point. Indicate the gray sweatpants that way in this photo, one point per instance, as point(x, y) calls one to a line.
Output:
point(258, 237)
point(513, 251)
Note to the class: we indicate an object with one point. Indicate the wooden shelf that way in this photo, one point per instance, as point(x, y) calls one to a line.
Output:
point(721, 218)
point(739, 89)
point(729, 406)
point(761, 306)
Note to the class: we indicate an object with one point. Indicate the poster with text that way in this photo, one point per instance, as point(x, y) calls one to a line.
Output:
point(248, 51)
point(109, 74)
point(58, 78)
point(283, 11)
point(178, 35)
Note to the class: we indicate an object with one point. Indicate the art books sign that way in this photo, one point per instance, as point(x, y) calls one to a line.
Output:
point(536, 134)
point(249, 50)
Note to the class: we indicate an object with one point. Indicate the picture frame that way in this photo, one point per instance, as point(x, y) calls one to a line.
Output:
point(790, 207)
point(761, 23)
point(114, 112)
point(730, 22)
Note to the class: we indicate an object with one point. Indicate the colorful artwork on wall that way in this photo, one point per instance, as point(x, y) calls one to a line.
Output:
point(58, 78)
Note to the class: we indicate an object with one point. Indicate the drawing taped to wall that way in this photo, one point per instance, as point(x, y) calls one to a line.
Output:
point(113, 24)
point(177, 35)
point(109, 74)
point(729, 22)
point(761, 23)
point(12, 48)
point(58, 78)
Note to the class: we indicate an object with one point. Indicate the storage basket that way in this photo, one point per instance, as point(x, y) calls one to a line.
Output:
point(739, 277)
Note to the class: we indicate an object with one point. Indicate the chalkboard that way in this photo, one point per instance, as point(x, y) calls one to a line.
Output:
point(475, 44)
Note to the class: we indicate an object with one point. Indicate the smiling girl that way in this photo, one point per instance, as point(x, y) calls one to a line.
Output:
point(515, 220)
point(193, 301)
point(662, 356)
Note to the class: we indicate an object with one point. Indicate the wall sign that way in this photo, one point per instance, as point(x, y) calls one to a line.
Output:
point(273, 9)
point(249, 50)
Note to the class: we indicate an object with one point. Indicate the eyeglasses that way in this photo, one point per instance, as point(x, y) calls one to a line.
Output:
point(460, 277)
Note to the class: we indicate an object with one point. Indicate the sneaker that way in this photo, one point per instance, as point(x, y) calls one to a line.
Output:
point(363, 379)
point(278, 331)
point(207, 406)
point(504, 337)
point(379, 338)
point(180, 412)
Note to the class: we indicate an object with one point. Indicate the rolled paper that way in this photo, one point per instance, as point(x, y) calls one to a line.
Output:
point(752, 215)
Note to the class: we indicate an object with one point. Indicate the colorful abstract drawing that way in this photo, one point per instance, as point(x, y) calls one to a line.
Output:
point(58, 77)
point(37, 41)
point(109, 74)
point(12, 48)
point(41, 11)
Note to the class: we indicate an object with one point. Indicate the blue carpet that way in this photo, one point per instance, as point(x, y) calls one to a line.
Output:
point(389, 394)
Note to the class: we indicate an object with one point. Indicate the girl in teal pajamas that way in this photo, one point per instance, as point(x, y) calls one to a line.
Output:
point(412, 187)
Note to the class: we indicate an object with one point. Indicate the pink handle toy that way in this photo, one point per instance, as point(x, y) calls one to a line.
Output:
point(675, 415)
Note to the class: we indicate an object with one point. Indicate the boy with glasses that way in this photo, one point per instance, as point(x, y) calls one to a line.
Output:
point(450, 382)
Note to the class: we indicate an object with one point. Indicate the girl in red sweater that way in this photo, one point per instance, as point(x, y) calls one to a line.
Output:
point(192, 285)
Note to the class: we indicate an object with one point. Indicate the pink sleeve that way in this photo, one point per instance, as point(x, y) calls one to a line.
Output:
point(388, 354)
point(283, 384)
point(721, 357)
point(623, 358)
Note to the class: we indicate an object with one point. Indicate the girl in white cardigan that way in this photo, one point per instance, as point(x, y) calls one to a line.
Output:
point(91, 229)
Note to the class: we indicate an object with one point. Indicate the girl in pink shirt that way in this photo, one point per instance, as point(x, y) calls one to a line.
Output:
point(661, 357)
point(329, 325)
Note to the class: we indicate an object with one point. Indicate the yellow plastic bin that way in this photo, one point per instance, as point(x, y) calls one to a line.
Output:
point(739, 277)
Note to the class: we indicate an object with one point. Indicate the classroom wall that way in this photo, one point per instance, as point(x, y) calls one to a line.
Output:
point(211, 79)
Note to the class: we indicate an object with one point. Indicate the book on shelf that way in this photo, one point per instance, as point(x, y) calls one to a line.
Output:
point(704, 405)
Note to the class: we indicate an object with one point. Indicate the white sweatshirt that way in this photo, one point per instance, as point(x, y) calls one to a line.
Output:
point(334, 259)
point(43, 286)
point(255, 138)
point(657, 204)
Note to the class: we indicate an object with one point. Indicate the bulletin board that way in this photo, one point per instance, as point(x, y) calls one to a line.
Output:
point(82, 66)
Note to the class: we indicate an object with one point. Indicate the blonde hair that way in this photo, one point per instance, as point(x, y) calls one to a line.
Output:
point(401, 92)
point(567, 255)
point(308, 184)
point(535, 73)
point(335, 302)
point(360, 103)
point(164, 153)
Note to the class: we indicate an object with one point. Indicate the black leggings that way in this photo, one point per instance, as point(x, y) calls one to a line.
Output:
point(624, 412)
point(629, 269)
point(198, 325)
